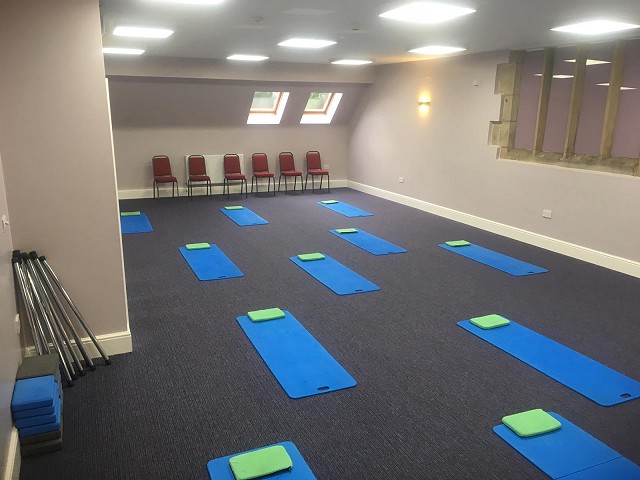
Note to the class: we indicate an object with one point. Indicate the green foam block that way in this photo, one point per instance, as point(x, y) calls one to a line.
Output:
point(129, 214)
point(327, 202)
point(266, 314)
point(306, 257)
point(260, 463)
point(234, 207)
point(197, 246)
point(531, 423)
point(457, 243)
point(347, 230)
point(490, 321)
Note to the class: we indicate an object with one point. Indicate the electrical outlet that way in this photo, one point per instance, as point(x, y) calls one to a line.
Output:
point(546, 213)
point(326, 166)
point(401, 179)
point(17, 324)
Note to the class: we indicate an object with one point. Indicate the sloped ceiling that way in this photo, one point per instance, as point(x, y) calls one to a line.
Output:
point(158, 103)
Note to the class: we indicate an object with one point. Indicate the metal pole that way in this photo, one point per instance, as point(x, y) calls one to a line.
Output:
point(25, 301)
point(54, 340)
point(75, 310)
point(57, 323)
point(63, 313)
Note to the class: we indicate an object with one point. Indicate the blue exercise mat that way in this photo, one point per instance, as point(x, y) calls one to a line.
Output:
point(244, 217)
point(336, 276)
point(300, 364)
point(346, 209)
point(219, 468)
point(135, 224)
point(210, 263)
point(574, 370)
point(568, 451)
point(619, 469)
point(496, 260)
point(370, 243)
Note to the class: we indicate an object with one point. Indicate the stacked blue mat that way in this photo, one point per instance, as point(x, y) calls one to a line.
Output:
point(37, 410)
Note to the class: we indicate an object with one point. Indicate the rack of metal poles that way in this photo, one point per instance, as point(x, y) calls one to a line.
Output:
point(50, 317)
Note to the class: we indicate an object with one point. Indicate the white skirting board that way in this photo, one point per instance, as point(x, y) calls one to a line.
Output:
point(164, 192)
point(12, 469)
point(589, 255)
point(112, 344)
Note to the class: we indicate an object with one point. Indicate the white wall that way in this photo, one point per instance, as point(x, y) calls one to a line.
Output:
point(57, 151)
point(135, 147)
point(445, 159)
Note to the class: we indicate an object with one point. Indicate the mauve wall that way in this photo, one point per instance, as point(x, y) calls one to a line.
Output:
point(594, 100)
point(9, 341)
point(445, 159)
point(559, 97)
point(57, 153)
point(529, 94)
point(134, 148)
point(626, 136)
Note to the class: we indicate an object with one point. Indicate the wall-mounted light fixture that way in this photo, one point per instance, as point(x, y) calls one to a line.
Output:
point(424, 104)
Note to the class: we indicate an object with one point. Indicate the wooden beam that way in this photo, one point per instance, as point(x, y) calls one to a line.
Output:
point(576, 100)
point(543, 101)
point(516, 57)
point(613, 99)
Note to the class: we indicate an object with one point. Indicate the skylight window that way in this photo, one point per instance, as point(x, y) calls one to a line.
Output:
point(318, 102)
point(142, 32)
point(595, 27)
point(265, 102)
point(267, 108)
point(320, 108)
point(426, 12)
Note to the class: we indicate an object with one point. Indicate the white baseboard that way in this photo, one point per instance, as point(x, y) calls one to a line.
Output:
point(12, 469)
point(112, 344)
point(596, 257)
point(164, 192)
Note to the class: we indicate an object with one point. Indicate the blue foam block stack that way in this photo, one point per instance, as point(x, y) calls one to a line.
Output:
point(37, 413)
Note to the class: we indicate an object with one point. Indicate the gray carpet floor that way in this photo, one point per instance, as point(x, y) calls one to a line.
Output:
point(428, 392)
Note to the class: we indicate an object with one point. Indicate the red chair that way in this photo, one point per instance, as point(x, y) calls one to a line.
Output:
point(232, 172)
point(197, 174)
point(314, 168)
point(261, 170)
point(288, 169)
point(162, 174)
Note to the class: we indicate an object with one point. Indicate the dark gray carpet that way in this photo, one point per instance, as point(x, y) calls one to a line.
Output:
point(428, 392)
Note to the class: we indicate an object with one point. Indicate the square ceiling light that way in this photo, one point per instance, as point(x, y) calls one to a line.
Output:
point(247, 58)
point(595, 27)
point(306, 43)
point(142, 32)
point(122, 51)
point(437, 50)
point(426, 12)
point(347, 61)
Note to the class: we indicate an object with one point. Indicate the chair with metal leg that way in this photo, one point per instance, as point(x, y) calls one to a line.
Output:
point(232, 172)
point(197, 174)
point(314, 168)
point(288, 169)
point(162, 174)
point(261, 170)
